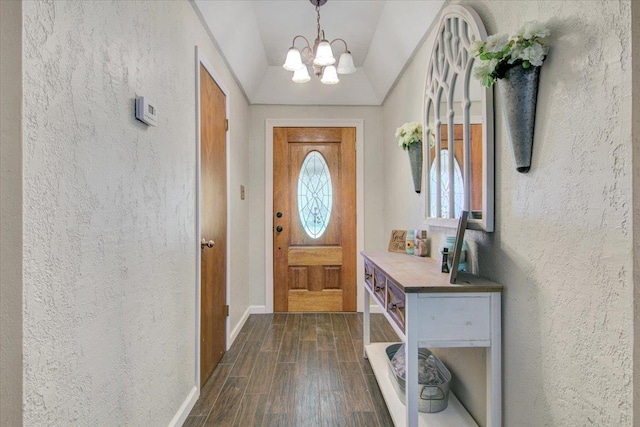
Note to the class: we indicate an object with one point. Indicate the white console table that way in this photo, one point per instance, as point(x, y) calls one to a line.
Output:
point(427, 311)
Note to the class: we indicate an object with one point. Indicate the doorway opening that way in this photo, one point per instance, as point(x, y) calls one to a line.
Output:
point(314, 241)
point(299, 272)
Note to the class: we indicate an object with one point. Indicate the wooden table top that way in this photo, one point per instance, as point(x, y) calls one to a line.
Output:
point(422, 275)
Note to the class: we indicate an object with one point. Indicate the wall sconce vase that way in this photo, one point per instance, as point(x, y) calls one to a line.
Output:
point(519, 92)
point(415, 159)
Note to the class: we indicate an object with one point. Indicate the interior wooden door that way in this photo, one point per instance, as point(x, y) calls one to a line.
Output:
point(314, 216)
point(213, 224)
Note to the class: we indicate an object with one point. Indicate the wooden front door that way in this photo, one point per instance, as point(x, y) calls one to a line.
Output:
point(314, 219)
point(213, 224)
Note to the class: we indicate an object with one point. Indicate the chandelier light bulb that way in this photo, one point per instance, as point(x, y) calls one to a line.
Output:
point(329, 76)
point(293, 61)
point(324, 55)
point(301, 75)
point(345, 64)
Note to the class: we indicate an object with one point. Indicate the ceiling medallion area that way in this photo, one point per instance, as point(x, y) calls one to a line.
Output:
point(320, 56)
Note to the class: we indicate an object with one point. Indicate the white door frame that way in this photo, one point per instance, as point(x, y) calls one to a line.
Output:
point(268, 196)
point(200, 59)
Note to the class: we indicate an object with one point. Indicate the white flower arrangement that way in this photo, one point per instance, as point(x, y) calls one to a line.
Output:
point(499, 53)
point(409, 133)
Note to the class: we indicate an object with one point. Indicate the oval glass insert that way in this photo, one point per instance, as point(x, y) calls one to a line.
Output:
point(315, 195)
point(458, 187)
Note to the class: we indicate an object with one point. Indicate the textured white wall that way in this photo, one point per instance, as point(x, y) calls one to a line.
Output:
point(374, 236)
point(403, 207)
point(11, 213)
point(563, 241)
point(635, 52)
point(109, 210)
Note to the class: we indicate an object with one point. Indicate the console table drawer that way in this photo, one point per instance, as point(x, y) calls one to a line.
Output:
point(368, 274)
point(455, 318)
point(395, 303)
point(379, 286)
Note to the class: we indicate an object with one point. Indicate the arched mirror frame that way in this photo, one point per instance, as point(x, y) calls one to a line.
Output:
point(451, 63)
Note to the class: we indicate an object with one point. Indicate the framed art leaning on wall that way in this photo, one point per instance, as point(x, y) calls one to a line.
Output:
point(457, 247)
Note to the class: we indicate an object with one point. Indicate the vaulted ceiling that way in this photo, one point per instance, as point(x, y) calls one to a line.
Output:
point(254, 37)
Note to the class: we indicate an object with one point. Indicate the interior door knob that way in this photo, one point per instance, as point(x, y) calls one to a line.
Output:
point(205, 244)
point(279, 229)
point(279, 214)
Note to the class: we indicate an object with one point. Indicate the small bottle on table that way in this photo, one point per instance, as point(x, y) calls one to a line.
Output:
point(445, 260)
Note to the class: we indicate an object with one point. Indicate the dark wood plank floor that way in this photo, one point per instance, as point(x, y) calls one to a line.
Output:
point(296, 370)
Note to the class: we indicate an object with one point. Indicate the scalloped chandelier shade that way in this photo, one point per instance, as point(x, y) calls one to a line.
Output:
point(320, 57)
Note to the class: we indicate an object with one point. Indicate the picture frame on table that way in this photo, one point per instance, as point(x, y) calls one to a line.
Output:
point(457, 248)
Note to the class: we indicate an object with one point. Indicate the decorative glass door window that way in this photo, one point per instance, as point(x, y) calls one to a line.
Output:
point(458, 187)
point(315, 195)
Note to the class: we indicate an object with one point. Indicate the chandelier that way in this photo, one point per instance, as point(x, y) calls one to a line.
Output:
point(320, 57)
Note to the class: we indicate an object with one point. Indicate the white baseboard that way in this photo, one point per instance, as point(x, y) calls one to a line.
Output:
point(258, 309)
point(236, 329)
point(252, 309)
point(186, 407)
point(375, 309)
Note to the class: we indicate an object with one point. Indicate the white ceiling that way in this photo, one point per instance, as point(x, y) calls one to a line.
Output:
point(254, 37)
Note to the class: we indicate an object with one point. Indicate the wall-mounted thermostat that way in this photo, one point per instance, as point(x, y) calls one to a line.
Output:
point(146, 111)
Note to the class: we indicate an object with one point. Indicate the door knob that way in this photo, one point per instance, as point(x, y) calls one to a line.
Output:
point(279, 214)
point(205, 244)
point(279, 229)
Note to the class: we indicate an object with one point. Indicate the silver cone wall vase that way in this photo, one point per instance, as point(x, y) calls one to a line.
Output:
point(415, 158)
point(519, 92)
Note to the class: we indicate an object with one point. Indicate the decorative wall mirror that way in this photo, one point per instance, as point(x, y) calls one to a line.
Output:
point(458, 131)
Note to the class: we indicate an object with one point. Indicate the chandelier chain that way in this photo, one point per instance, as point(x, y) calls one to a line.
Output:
point(318, 17)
